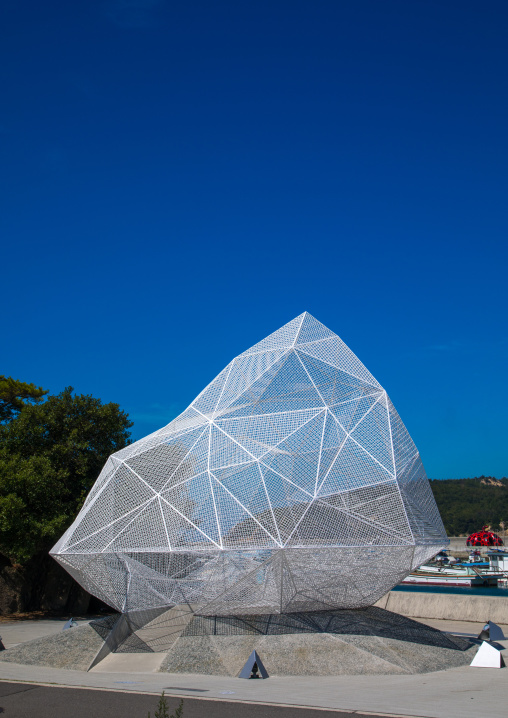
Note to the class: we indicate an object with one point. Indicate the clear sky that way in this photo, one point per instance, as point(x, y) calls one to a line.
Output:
point(180, 178)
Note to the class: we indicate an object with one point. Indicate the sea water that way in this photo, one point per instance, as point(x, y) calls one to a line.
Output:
point(461, 590)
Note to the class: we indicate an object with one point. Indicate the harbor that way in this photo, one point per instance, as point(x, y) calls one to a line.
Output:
point(478, 561)
point(457, 576)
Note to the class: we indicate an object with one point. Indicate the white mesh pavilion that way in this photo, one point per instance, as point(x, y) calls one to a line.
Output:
point(290, 483)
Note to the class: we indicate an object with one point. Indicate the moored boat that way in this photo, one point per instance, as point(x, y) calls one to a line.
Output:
point(453, 576)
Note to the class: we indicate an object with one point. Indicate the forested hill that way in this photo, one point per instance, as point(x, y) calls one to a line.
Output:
point(466, 505)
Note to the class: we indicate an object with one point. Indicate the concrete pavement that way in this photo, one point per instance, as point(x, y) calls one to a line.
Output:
point(469, 629)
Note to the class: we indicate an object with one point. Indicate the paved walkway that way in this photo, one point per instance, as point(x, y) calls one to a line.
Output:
point(458, 628)
point(457, 693)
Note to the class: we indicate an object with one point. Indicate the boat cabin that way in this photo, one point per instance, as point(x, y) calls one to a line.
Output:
point(498, 560)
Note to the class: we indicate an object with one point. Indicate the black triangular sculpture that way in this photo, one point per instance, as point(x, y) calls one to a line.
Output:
point(2, 647)
point(491, 632)
point(252, 666)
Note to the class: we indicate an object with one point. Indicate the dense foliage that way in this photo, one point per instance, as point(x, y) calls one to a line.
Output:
point(15, 394)
point(52, 449)
point(466, 505)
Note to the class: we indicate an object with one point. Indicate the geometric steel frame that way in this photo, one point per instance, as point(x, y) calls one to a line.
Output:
point(290, 483)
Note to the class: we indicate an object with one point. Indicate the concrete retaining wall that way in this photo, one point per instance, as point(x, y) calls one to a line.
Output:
point(457, 543)
point(446, 606)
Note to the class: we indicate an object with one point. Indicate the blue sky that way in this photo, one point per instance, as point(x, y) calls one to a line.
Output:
point(179, 179)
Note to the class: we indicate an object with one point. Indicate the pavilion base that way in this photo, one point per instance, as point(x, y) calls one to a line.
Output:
point(324, 643)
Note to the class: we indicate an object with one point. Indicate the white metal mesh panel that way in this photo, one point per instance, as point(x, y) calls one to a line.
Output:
point(289, 484)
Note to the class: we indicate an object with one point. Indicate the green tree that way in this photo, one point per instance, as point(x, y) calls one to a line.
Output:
point(466, 505)
point(162, 709)
point(51, 454)
point(15, 394)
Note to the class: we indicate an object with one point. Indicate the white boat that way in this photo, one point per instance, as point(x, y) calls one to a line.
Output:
point(498, 561)
point(453, 576)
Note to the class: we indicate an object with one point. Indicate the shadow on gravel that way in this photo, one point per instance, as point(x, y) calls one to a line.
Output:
point(158, 628)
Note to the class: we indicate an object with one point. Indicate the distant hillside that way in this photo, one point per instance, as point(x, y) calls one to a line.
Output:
point(468, 504)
